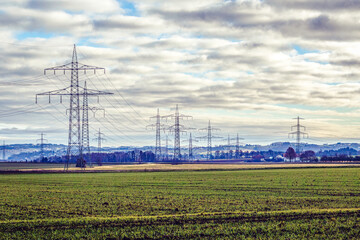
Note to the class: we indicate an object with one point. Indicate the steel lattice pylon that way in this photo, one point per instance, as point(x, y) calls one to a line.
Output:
point(209, 150)
point(177, 128)
point(209, 138)
point(190, 148)
point(99, 139)
point(42, 139)
point(237, 151)
point(74, 146)
point(85, 141)
point(298, 133)
point(177, 152)
point(74, 91)
point(158, 127)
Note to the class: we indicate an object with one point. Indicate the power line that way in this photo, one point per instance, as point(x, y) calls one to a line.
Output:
point(119, 93)
point(116, 108)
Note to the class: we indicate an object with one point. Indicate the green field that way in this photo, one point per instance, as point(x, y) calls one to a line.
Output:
point(314, 203)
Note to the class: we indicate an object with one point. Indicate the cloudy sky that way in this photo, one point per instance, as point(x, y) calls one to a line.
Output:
point(249, 66)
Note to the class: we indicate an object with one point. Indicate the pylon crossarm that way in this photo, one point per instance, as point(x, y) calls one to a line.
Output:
point(182, 116)
point(168, 116)
point(89, 67)
point(69, 67)
point(151, 126)
point(212, 136)
point(203, 137)
point(95, 109)
point(174, 130)
point(63, 91)
point(93, 92)
point(64, 68)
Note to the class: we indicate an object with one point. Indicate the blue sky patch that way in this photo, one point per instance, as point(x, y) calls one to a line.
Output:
point(303, 51)
point(25, 35)
point(129, 7)
point(89, 43)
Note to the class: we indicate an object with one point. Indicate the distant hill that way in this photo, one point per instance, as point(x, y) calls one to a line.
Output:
point(23, 152)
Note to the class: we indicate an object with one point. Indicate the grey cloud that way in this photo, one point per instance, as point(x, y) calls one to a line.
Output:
point(320, 5)
point(345, 62)
point(53, 22)
point(112, 24)
point(240, 16)
point(78, 5)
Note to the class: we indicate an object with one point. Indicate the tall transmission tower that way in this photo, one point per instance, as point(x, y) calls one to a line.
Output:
point(209, 138)
point(298, 133)
point(158, 127)
point(99, 139)
point(177, 128)
point(85, 142)
point(85, 135)
point(42, 139)
point(74, 91)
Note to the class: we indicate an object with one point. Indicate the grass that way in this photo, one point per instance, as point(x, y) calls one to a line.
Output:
point(269, 203)
point(110, 167)
point(4, 166)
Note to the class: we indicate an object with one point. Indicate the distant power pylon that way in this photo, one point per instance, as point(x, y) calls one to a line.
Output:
point(158, 127)
point(237, 151)
point(237, 146)
point(177, 128)
point(191, 157)
point(190, 141)
point(42, 139)
point(99, 139)
point(74, 91)
point(166, 149)
point(298, 133)
point(209, 138)
point(166, 157)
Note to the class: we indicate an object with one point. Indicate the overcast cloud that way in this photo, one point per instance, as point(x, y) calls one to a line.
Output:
point(249, 66)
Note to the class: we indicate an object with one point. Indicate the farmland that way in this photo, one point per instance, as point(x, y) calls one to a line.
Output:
point(262, 203)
